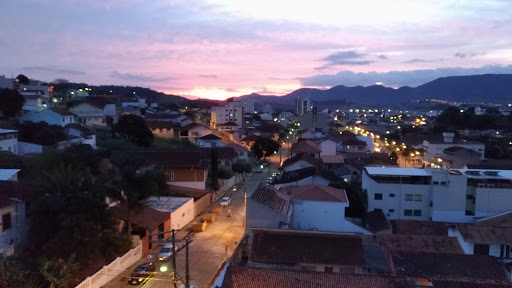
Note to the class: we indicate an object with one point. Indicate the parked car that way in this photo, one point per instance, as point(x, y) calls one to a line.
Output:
point(141, 273)
point(226, 201)
point(270, 179)
point(165, 253)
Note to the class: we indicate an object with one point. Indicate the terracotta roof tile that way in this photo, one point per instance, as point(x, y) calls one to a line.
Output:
point(503, 219)
point(305, 146)
point(420, 227)
point(303, 157)
point(245, 277)
point(484, 234)
point(470, 284)
point(145, 217)
point(316, 192)
point(291, 247)
point(420, 243)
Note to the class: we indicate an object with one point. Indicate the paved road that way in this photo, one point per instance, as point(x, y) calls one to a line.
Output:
point(208, 250)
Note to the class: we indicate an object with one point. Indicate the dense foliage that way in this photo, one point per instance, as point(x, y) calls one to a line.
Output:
point(12, 102)
point(264, 147)
point(133, 128)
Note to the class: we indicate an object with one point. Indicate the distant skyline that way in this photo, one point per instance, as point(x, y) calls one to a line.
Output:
point(225, 48)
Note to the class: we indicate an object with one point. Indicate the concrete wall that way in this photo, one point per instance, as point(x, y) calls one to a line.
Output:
point(9, 142)
point(321, 216)
point(201, 204)
point(29, 148)
point(260, 216)
point(183, 215)
point(491, 201)
point(18, 230)
point(328, 148)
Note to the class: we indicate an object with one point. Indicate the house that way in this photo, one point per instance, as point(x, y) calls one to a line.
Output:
point(94, 111)
point(163, 129)
point(327, 147)
point(454, 195)
point(481, 239)
point(242, 153)
point(304, 176)
point(307, 251)
point(336, 164)
point(459, 157)
point(267, 207)
point(226, 156)
point(9, 140)
point(306, 134)
point(249, 140)
point(300, 161)
point(419, 243)
point(228, 126)
point(144, 221)
point(356, 162)
point(9, 174)
point(193, 131)
point(318, 207)
point(250, 277)
point(34, 102)
point(82, 134)
point(434, 148)
point(186, 168)
point(15, 200)
point(306, 147)
point(53, 116)
point(181, 209)
point(209, 141)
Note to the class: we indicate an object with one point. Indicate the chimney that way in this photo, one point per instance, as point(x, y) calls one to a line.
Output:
point(448, 137)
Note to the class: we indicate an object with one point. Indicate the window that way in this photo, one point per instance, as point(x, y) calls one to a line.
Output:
point(417, 212)
point(409, 197)
point(378, 196)
point(418, 197)
point(329, 269)
point(391, 210)
point(6, 222)
point(443, 182)
point(407, 212)
point(469, 197)
point(435, 182)
point(392, 195)
point(172, 175)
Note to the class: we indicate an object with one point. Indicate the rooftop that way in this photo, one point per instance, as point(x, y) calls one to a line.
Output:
point(272, 198)
point(502, 219)
point(7, 131)
point(316, 192)
point(485, 234)
point(6, 174)
point(420, 227)
point(305, 146)
point(397, 171)
point(290, 247)
point(245, 277)
point(62, 111)
point(419, 243)
point(484, 174)
point(144, 216)
point(210, 137)
point(167, 203)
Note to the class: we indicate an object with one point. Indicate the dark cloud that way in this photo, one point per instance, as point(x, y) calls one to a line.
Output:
point(344, 58)
point(398, 78)
point(52, 69)
point(139, 77)
point(382, 57)
point(208, 76)
point(468, 55)
point(416, 60)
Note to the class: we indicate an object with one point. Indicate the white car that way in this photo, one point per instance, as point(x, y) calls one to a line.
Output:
point(165, 253)
point(226, 201)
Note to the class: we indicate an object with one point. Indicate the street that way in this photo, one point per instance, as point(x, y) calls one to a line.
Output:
point(208, 250)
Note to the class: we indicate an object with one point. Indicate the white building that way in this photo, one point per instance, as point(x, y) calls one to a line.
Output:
point(455, 195)
point(9, 174)
point(181, 209)
point(232, 112)
point(303, 106)
point(434, 149)
point(53, 116)
point(95, 112)
point(9, 140)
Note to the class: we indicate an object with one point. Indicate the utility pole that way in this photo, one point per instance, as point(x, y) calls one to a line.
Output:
point(187, 275)
point(174, 257)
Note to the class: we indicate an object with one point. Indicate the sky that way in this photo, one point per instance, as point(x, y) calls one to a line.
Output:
point(223, 48)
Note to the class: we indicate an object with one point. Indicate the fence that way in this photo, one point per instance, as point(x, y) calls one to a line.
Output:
point(110, 271)
point(203, 203)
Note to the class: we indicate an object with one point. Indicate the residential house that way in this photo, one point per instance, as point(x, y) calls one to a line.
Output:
point(454, 195)
point(306, 251)
point(226, 156)
point(270, 130)
point(15, 200)
point(300, 161)
point(318, 207)
point(228, 126)
point(208, 141)
point(336, 164)
point(9, 174)
point(249, 140)
point(9, 140)
point(241, 152)
point(193, 131)
point(306, 134)
point(180, 209)
point(163, 129)
point(235, 135)
point(327, 147)
point(479, 239)
point(459, 157)
point(304, 176)
point(144, 221)
point(306, 147)
point(94, 111)
point(250, 277)
point(34, 102)
point(434, 148)
point(53, 116)
point(81, 134)
point(356, 162)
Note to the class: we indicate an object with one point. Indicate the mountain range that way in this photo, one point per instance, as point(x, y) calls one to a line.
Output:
point(487, 88)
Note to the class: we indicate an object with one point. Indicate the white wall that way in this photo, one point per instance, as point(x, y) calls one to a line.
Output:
point(29, 148)
point(328, 148)
point(190, 184)
point(18, 229)
point(491, 201)
point(309, 180)
point(317, 215)
point(183, 215)
point(297, 165)
point(10, 142)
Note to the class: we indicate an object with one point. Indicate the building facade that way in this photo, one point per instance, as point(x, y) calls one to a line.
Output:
point(9, 140)
point(232, 112)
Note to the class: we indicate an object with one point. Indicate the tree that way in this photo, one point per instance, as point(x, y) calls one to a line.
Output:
point(241, 166)
point(22, 79)
point(356, 197)
point(264, 147)
point(12, 102)
point(41, 133)
point(133, 128)
point(57, 271)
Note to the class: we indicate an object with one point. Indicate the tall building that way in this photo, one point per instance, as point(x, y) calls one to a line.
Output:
point(303, 106)
point(232, 112)
point(454, 195)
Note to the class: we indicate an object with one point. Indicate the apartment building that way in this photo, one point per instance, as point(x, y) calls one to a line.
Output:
point(434, 149)
point(232, 112)
point(454, 195)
